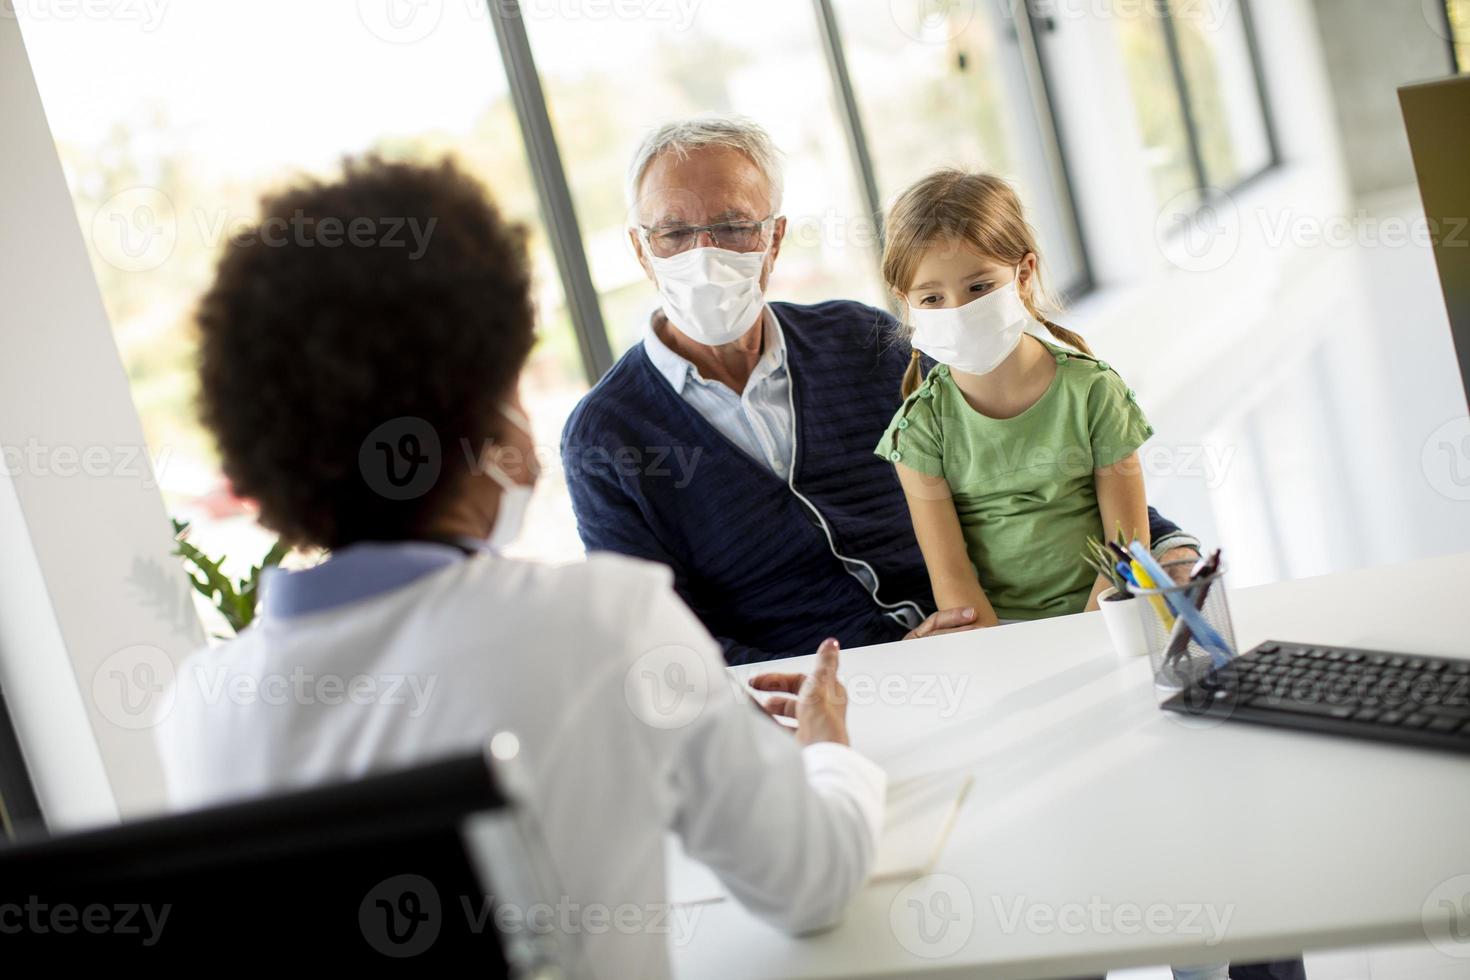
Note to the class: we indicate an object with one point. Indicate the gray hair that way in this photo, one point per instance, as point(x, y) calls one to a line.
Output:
point(682, 136)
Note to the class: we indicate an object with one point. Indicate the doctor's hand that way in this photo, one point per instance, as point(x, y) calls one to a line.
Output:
point(818, 701)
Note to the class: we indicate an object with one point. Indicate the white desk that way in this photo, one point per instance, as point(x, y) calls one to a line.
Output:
point(1092, 810)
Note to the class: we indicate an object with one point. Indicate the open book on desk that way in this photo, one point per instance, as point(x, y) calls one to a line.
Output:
point(917, 818)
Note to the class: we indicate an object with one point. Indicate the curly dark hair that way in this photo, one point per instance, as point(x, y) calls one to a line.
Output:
point(364, 328)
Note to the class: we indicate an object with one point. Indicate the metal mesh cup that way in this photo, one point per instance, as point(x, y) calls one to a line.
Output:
point(1179, 657)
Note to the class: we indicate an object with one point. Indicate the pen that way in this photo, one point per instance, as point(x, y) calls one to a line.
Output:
point(1126, 570)
point(1145, 581)
point(1178, 644)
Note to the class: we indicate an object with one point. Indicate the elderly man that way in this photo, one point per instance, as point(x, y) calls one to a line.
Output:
point(782, 527)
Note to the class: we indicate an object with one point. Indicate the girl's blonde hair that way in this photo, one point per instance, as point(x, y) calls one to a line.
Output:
point(978, 210)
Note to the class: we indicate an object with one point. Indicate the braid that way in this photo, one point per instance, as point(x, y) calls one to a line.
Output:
point(1067, 337)
point(913, 376)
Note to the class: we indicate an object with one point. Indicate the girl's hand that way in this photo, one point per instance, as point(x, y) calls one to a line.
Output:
point(949, 621)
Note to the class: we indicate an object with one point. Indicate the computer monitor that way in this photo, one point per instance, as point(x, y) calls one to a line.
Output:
point(20, 811)
point(398, 865)
point(1438, 118)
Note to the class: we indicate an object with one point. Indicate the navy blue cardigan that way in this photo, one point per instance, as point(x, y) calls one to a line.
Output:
point(650, 477)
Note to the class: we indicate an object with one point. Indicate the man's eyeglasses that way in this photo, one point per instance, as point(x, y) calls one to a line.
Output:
point(736, 236)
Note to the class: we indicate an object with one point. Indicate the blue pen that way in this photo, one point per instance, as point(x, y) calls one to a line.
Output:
point(1127, 573)
point(1208, 636)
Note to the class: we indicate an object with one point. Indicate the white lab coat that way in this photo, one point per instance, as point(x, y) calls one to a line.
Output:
point(595, 667)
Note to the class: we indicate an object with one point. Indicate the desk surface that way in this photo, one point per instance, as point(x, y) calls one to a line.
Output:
point(1102, 832)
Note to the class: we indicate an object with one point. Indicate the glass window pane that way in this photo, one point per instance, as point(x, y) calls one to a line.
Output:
point(609, 80)
point(1156, 104)
point(167, 149)
point(1460, 26)
point(1223, 90)
point(944, 85)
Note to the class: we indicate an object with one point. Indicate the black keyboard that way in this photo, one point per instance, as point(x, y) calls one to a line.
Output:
point(1390, 697)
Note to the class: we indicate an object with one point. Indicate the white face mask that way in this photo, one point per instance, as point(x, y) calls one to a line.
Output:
point(977, 337)
point(515, 498)
point(712, 295)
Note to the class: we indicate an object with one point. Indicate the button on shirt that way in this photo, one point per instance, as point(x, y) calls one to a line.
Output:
point(759, 419)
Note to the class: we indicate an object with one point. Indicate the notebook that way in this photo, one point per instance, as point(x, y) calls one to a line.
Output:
point(917, 818)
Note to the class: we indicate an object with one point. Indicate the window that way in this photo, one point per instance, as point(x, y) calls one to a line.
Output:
point(1459, 16)
point(172, 123)
point(169, 133)
point(1194, 74)
point(609, 80)
point(945, 85)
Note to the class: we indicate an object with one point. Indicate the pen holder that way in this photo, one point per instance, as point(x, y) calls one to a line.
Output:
point(1178, 655)
point(1125, 628)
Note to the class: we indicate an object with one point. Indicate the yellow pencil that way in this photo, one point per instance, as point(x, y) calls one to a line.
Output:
point(1160, 606)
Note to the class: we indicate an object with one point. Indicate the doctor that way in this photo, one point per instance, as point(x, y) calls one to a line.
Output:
point(365, 398)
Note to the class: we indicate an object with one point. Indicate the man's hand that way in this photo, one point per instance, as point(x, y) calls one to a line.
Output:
point(1179, 572)
point(819, 704)
point(947, 621)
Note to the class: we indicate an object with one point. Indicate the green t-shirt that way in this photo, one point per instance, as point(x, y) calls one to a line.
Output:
point(1024, 487)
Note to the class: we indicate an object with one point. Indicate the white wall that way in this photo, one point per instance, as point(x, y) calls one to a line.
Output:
point(1372, 48)
point(94, 610)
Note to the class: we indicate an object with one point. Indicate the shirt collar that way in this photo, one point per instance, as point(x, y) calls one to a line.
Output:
point(677, 369)
point(357, 572)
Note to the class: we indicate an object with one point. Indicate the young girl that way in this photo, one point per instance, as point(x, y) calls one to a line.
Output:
point(1014, 450)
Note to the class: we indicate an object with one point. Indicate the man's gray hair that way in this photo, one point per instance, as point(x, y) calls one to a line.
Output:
point(682, 136)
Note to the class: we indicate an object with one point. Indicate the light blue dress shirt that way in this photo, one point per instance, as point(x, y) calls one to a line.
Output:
point(759, 419)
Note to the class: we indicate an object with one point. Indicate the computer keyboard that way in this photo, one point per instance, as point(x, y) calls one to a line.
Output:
point(1390, 697)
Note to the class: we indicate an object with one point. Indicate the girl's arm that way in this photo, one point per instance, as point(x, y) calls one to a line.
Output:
point(937, 527)
point(1122, 502)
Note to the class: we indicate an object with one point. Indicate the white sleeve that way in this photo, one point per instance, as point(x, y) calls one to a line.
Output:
point(790, 832)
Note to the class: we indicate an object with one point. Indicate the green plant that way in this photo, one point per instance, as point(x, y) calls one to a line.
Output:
point(1102, 560)
point(235, 599)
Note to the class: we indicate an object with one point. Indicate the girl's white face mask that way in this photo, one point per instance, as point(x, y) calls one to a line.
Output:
point(712, 295)
point(977, 337)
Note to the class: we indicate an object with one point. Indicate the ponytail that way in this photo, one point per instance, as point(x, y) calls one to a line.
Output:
point(1068, 337)
point(1034, 299)
point(913, 376)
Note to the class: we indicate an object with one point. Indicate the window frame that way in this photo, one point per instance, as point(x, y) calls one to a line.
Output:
point(559, 211)
point(1172, 45)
